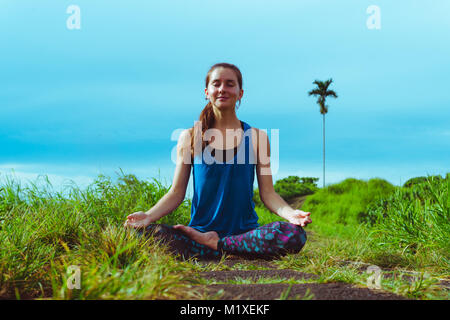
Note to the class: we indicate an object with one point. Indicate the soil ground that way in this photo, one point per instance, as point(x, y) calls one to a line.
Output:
point(313, 291)
point(272, 291)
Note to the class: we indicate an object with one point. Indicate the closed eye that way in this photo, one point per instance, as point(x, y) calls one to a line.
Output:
point(229, 85)
point(229, 82)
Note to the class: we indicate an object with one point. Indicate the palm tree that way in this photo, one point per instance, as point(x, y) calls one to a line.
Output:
point(322, 92)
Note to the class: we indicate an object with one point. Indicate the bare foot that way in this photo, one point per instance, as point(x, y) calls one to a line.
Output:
point(208, 239)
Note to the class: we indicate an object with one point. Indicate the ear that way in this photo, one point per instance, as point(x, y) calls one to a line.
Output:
point(206, 93)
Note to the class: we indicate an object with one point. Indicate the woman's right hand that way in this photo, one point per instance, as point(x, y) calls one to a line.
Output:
point(137, 220)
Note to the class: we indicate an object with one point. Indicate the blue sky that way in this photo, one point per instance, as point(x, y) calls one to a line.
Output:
point(76, 103)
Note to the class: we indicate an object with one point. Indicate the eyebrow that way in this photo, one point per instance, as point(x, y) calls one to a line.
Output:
point(228, 80)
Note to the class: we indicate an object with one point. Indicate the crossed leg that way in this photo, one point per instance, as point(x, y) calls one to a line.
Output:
point(209, 239)
point(274, 239)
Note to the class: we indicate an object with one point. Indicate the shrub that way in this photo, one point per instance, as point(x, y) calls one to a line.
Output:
point(289, 188)
point(346, 202)
point(294, 186)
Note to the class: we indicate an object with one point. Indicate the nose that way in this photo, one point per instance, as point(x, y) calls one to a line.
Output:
point(222, 88)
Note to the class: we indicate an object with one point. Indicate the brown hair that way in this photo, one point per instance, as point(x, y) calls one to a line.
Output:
point(207, 115)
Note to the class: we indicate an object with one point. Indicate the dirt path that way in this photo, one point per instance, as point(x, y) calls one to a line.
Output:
point(308, 291)
point(272, 291)
point(297, 202)
point(248, 288)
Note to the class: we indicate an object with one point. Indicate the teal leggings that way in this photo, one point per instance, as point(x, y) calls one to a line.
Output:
point(268, 241)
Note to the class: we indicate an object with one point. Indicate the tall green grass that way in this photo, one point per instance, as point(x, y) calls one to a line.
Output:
point(399, 226)
point(414, 217)
point(43, 231)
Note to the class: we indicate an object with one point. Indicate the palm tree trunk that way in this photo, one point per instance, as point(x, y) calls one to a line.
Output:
point(324, 150)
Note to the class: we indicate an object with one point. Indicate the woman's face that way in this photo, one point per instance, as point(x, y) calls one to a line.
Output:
point(223, 88)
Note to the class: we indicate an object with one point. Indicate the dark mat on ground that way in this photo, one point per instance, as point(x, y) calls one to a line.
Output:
point(325, 291)
point(223, 276)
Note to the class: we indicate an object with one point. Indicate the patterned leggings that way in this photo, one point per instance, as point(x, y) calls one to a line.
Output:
point(271, 240)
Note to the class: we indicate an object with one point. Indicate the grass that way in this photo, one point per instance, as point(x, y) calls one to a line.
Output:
point(43, 233)
point(329, 257)
point(344, 204)
point(397, 227)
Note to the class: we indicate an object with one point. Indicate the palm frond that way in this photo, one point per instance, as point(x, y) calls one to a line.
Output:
point(318, 82)
point(315, 92)
point(331, 93)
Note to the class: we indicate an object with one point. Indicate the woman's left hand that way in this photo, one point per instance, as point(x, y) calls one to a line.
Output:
point(300, 218)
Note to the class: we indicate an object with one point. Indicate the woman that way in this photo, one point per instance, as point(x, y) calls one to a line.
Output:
point(223, 218)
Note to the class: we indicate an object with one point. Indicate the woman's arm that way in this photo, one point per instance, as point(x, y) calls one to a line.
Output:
point(173, 198)
point(269, 197)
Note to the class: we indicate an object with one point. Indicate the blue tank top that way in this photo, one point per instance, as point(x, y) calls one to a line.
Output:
point(223, 191)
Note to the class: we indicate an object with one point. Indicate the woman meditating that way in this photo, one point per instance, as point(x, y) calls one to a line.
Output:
point(223, 153)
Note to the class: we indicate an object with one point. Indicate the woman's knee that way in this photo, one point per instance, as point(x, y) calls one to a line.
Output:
point(292, 236)
point(298, 240)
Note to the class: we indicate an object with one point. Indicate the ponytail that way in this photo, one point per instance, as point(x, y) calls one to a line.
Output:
point(206, 120)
